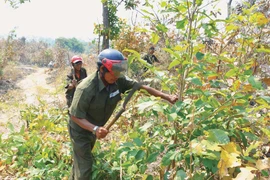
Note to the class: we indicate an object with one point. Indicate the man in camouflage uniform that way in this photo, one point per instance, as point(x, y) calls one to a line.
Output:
point(150, 58)
point(77, 74)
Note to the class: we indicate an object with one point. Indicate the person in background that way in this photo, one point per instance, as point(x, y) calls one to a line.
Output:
point(77, 74)
point(150, 58)
point(51, 65)
point(95, 99)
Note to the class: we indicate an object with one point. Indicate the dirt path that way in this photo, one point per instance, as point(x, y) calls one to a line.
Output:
point(30, 89)
point(31, 85)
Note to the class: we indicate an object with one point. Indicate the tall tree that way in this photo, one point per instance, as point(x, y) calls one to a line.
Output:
point(229, 8)
point(106, 25)
point(111, 23)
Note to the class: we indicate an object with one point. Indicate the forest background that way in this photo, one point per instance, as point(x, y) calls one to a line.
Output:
point(218, 67)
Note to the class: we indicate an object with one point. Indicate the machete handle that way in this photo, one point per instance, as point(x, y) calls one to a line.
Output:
point(130, 94)
point(73, 73)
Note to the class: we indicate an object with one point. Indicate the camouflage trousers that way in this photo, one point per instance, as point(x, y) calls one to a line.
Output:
point(69, 100)
point(82, 144)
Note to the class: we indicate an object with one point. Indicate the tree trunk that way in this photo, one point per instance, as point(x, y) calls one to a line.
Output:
point(252, 2)
point(106, 26)
point(229, 8)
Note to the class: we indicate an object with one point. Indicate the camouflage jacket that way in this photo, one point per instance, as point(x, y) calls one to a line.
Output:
point(150, 58)
point(70, 92)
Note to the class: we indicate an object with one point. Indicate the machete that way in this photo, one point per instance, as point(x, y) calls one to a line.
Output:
point(123, 108)
point(73, 73)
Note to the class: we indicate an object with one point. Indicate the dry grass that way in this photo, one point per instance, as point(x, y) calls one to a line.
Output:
point(13, 72)
point(90, 64)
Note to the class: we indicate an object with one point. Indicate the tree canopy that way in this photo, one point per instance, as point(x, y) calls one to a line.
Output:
point(72, 44)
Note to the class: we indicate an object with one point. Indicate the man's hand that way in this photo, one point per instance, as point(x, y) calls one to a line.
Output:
point(101, 132)
point(74, 83)
point(172, 98)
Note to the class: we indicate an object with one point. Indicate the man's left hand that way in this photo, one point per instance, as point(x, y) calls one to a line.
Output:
point(172, 98)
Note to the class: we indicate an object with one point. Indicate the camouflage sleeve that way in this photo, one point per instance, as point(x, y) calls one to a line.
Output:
point(145, 57)
point(155, 58)
point(68, 79)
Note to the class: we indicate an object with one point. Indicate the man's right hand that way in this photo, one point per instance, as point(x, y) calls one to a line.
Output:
point(101, 132)
point(74, 83)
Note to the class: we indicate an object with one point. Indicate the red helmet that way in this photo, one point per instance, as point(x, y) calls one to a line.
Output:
point(76, 59)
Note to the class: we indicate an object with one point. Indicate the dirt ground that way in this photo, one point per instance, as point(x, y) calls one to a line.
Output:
point(32, 83)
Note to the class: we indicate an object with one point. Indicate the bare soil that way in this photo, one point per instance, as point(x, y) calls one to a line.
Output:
point(32, 85)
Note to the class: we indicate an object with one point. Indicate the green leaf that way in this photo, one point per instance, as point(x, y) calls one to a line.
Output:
point(199, 176)
point(146, 126)
point(138, 141)
point(231, 27)
point(180, 175)
point(199, 2)
point(147, 12)
point(152, 157)
point(149, 177)
point(263, 50)
point(251, 136)
point(140, 155)
point(174, 63)
point(143, 106)
point(230, 73)
point(127, 164)
point(172, 116)
point(154, 38)
point(261, 101)
point(266, 98)
point(132, 169)
point(219, 136)
point(254, 83)
point(181, 24)
point(196, 81)
point(142, 168)
point(250, 159)
point(215, 103)
point(210, 164)
point(131, 59)
point(195, 92)
point(18, 139)
point(177, 56)
point(166, 161)
point(265, 173)
point(162, 28)
point(166, 175)
point(243, 138)
point(179, 48)
point(163, 4)
point(199, 55)
point(133, 52)
point(127, 144)
point(266, 132)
